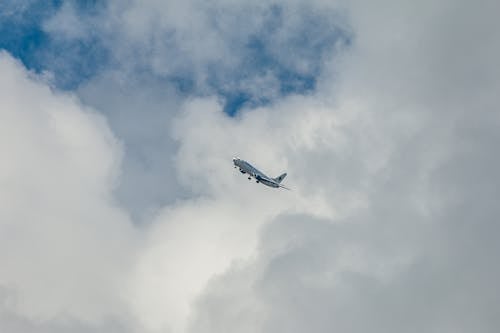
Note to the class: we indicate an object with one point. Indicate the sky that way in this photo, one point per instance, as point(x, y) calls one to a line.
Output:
point(120, 210)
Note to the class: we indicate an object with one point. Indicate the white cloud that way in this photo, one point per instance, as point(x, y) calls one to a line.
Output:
point(64, 242)
point(391, 224)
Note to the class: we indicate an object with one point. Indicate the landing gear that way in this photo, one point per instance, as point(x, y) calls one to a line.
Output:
point(249, 178)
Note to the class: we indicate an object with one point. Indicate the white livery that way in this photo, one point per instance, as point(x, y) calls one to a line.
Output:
point(251, 171)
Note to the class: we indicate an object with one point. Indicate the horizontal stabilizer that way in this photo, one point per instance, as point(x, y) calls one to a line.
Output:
point(286, 188)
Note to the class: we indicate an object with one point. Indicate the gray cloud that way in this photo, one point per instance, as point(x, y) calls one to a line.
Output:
point(139, 110)
point(11, 323)
point(390, 226)
point(413, 144)
point(414, 260)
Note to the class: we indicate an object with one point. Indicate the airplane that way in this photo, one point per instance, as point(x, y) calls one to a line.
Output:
point(251, 171)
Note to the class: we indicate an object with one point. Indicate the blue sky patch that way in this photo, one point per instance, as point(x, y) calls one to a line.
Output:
point(20, 30)
point(294, 63)
point(71, 61)
point(280, 57)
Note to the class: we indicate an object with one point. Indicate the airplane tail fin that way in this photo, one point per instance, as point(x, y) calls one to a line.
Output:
point(280, 178)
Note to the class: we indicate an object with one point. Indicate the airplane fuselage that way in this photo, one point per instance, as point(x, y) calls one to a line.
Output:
point(251, 171)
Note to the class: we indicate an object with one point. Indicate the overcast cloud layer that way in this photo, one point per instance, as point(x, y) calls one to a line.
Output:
point(120, 210)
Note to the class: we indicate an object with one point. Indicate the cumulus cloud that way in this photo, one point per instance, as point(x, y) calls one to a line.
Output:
point(391, 224)
point(64, 241)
